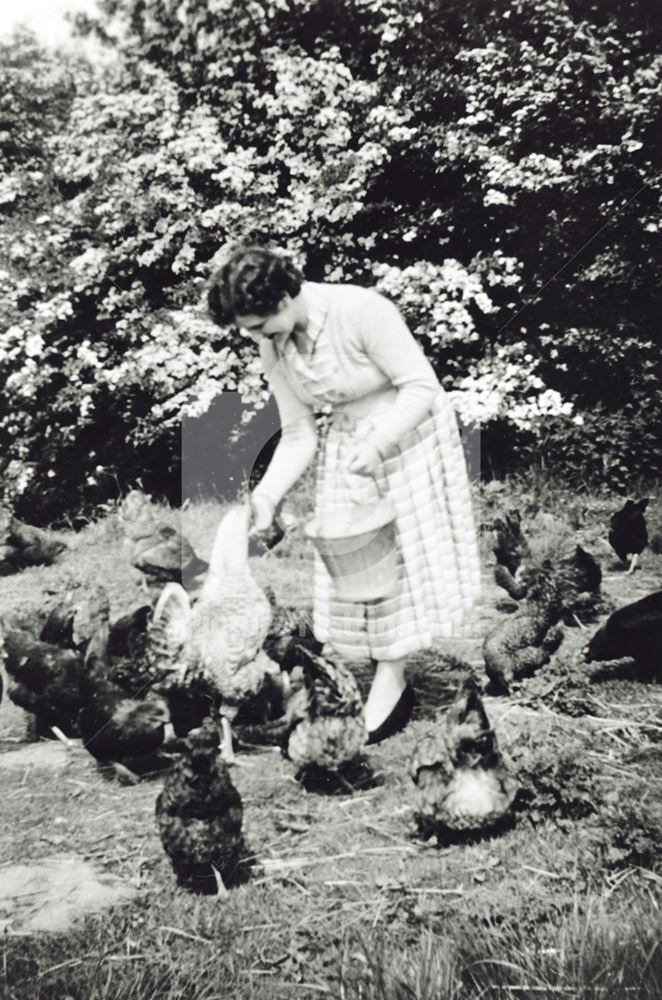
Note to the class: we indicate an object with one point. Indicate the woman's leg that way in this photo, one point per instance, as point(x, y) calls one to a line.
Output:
point(387, 686)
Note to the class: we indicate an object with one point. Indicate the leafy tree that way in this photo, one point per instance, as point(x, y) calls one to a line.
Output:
point(494, 168)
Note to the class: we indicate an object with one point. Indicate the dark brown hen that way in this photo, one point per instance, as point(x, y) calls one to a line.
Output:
point(118, 727)
point(199, 816)
point(579, 578)
point(24, 545)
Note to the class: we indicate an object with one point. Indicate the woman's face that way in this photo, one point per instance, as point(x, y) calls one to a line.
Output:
point(280, 322)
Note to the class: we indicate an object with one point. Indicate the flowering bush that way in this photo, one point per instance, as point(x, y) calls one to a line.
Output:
point(503, 187)
point(507, 387)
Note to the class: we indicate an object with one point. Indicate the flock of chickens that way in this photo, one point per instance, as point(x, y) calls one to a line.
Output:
point(566, 590)
point(168, 684)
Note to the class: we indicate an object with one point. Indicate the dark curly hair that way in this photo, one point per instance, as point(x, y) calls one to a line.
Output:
point(253, 279)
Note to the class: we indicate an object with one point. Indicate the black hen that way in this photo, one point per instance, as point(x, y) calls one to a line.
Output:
point(633, 631)
point(116, 727)
point(628, 535)
point(579, 578)
point(190, 702)
point(72, 623)
point(289, 632)
point(46, 673)
point(199, 816)
point(43, 680)
point(75, 618)
point(133, 665)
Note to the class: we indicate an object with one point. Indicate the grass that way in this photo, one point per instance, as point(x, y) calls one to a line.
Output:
point(345, 900)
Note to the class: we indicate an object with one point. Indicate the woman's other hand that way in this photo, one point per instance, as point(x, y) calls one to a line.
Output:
point(365, 459)
point(262, 514)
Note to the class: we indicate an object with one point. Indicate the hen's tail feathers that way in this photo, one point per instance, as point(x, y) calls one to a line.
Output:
point(96, 650)
point(169, 630)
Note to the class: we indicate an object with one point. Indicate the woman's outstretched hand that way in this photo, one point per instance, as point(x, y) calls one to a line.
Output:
point(262, 514)
point(365, 459)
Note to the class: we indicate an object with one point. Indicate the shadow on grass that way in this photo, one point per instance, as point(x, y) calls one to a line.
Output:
point(445, 837)
point(626, 670)
point(138, 769)
point(200, 879)
point(356, 776)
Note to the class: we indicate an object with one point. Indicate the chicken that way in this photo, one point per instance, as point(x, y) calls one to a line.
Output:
point(525, 641)
point(220, 639)
point(190, 702)
point(325, 724)
point(199, 816)
point(462, 783)
point(46, 671)
point(579, 578)
point(44, 680)
point(129, 635)
point(290, 627)
point(76, 617)
point(512, 554)
point(633, 631)
point(157, 550)
point(628, 535)
point(117, 727)
point(23, 545)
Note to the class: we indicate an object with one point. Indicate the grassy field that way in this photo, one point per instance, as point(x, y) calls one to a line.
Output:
point(345, 900)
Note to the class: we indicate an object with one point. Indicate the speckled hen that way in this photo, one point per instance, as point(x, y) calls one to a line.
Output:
point(462, 783)
point(525, 641)
point(326, 724)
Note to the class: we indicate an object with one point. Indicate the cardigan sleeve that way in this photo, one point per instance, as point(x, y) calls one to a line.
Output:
point(298, 441)
point(386, 339)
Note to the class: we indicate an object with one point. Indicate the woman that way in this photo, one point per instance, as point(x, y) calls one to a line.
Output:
point(392, 430)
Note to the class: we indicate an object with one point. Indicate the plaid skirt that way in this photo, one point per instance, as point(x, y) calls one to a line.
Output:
point(438, 566)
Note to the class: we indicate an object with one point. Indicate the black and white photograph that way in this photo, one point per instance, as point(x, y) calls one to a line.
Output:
point(330, 500)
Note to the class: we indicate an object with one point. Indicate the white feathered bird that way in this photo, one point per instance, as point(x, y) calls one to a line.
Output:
point(220, 638)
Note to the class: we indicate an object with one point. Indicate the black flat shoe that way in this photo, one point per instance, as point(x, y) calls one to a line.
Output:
point(397, 718)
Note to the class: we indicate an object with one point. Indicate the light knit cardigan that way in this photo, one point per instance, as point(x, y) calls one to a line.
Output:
point(380, 372)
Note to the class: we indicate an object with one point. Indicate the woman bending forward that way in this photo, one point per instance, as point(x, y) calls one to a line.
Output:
point(392, 431)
